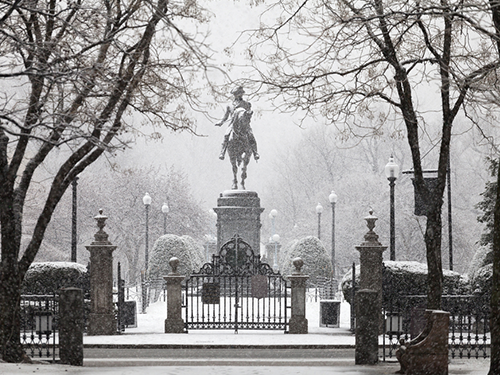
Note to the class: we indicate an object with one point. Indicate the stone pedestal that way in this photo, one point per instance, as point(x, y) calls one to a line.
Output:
point(238, 212)
point(298, 321)
point(101, 318)
point(367, 318)
point(71, 324)
point(370, 259)
point(369, 303)
point(174, 322)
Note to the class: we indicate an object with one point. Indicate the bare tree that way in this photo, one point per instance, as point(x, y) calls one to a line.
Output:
point(342, 58)
point(119, 191)
point(76, 78)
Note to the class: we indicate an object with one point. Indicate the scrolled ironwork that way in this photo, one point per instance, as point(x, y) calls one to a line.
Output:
point(229, 293)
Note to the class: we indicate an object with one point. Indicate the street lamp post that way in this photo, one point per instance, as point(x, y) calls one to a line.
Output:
point(147, 202)
point(391, 172)
point(272, 216)
point(73, 220)
point(319, 210)
point(165, 209)
point(276, 240)
point(333, 200)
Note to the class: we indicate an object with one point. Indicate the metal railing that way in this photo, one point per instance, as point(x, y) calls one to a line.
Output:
point(469, 335)
point(39, 325)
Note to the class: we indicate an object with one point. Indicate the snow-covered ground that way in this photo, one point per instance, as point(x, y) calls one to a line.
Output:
point(151, 327)
point(476, 367)
point(150, 331)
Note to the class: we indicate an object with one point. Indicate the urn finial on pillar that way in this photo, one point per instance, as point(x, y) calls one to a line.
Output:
point(371, 238)
point(101, 237)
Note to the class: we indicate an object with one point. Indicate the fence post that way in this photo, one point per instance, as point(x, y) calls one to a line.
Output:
point(298, 321)
point(71, 326)
point(353, 298)
point(174, 322)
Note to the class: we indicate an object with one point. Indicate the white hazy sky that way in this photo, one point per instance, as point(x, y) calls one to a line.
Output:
point(198, 156)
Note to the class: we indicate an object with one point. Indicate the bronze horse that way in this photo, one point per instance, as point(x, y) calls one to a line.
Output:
point(239, 148)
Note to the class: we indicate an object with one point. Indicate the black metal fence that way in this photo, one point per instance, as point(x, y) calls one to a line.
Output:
point(469, 335)
point(321, 288)
point(39, 325)
point(125, 311)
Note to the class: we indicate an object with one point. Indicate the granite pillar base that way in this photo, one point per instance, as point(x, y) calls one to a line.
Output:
point(298, 325)
point(174, 326)
point(101, 324)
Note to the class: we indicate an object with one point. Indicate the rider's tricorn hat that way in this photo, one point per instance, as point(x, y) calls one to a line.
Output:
point(238, 91)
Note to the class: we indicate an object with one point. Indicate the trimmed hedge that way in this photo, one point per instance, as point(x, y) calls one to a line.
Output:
point(317, 260)
point(408, 278)
point(189, 252)
point(49, 277)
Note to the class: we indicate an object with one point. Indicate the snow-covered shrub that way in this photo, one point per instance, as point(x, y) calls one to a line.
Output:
point(189, 252)
point(49, 277)
point(317, 260)
point(407, 278)
point(481, 279)
point(482, 257)
point(481, 271)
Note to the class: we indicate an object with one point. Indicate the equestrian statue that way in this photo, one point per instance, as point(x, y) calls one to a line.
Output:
point(239, 141)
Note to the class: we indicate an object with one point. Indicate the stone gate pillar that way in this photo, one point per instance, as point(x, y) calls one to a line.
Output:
point(101, 318)
point(238, 212)
point(174, 322)
point(369, 298)
point(71, 324)
point(298, 321)
point(370, 259)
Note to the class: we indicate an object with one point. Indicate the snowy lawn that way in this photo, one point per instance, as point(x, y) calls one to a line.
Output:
point(150, 330)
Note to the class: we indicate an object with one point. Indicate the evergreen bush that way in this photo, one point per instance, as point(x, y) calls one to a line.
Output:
point(407, 278)
point(189, 252)
point(49, 277)
point(317, 260)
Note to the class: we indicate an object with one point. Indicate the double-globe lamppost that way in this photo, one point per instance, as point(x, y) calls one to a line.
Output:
point(272, 216)
point(333, 200)
point(391, 172)
point(319, 211)
point(147, 202)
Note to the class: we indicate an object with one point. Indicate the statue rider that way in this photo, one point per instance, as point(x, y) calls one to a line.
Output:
point(238, 102)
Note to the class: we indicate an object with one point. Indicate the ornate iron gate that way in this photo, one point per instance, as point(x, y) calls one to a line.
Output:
point(236, 291)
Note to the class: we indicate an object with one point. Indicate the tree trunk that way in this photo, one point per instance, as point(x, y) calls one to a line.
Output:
point(10, 316)
point(434, 264)
point(495, 289)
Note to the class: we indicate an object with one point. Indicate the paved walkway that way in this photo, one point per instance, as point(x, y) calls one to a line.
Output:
point(148, 350)
point(476, 367)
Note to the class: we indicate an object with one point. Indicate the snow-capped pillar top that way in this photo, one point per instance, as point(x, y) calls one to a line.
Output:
point(371, 238)
point(174, 264)
point(298, 263)
point(101, 237)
